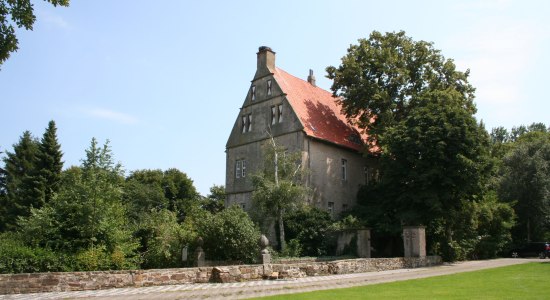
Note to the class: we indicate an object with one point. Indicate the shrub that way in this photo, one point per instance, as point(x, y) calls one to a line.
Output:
point(229, 235)
point(310, 227)
point(15, 257)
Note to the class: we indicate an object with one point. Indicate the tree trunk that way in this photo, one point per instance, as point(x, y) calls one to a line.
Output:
point(281, 229)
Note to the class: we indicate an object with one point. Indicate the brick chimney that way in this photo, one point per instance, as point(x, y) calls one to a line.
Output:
point(266, 61)
point(311, 78)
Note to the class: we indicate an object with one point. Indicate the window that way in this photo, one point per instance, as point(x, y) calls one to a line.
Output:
point(243, 124)
point(240, 168)
point(243, 205)
point(246, 123)
point(269, 87)
point(238, 165)
point(368, 175)
point(344, 169)
point(273, 115)
point(253, 93)
point(276, 114)
point(331, 207)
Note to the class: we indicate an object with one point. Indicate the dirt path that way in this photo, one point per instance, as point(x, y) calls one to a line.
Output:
point(251, 289)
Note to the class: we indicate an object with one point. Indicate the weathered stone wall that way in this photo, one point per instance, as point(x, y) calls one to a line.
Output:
point(73, 281)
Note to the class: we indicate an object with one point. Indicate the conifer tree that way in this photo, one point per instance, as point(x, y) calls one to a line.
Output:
point(49, 162)
point(22, 184)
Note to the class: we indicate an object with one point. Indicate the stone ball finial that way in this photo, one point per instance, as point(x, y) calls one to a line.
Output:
point(200, 242)
point(264, 242)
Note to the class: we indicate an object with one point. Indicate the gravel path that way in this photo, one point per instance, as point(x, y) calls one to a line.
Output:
point(243, 290)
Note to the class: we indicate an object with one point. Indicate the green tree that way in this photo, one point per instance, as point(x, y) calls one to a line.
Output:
point(87, 217)
point(278, 187)
point(525, 183)
point(163, 239)
point(156, 189)
point(180, 192)
point(21, 14)
point(215, 201)
point(49, 163)
point(419, 110)
point(143, 192)
point(23, 187)
point(380, 76)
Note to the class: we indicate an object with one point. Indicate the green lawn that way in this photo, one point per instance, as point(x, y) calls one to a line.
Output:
point(526, 281)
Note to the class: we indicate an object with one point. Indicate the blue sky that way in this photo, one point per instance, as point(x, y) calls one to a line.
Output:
point(164, 80)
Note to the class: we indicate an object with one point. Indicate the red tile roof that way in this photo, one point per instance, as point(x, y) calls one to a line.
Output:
point(319, 113)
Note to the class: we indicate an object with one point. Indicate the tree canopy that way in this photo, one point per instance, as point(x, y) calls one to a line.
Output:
point(419, 110)
point(18, 13)
point(380, 76)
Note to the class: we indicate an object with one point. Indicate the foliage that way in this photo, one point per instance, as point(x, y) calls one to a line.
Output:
point(308, 229)
point(163, 239)
point(87, 216)
point(22, 15)
point(380, 76)
point(435, 158)
point(156, 189)
point(23, 186)
point(215, 201)
point(49, 164)
point(228, 235)
point(526, 185)
point(16, 257)
point(277, 188)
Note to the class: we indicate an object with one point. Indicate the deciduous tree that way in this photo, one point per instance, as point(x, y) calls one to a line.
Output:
point(278, 187)
point(18, 13)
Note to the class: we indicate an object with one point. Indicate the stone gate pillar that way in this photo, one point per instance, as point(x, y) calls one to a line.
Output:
point(414, 240)
point(363, 243)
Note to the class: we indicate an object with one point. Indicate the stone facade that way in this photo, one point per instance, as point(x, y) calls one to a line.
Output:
point(78, 281)
point(302, 118)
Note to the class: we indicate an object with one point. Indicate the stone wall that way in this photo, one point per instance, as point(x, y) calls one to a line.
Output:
point(73, 281)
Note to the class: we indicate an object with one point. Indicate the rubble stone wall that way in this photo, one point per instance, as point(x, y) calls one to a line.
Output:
point(77, 281)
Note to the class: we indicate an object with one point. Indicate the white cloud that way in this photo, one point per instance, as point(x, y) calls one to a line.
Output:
point(113, 116)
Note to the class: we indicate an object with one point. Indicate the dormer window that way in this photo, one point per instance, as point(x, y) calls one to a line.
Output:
point(253, 93)
point(269, 87)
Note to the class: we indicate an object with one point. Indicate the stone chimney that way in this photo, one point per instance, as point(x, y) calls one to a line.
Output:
point(266, 61)
point(311, 78)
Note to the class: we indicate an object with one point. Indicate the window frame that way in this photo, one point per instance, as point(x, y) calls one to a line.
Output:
point(344, 169)
point(269, 87)
point(253, 93)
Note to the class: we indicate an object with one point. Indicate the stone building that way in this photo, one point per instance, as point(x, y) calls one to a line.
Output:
point(301, 117)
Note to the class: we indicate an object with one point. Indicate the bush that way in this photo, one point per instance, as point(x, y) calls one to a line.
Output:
point(162, 239)
point(310, 227)
point(229, 235)
point(15, 257)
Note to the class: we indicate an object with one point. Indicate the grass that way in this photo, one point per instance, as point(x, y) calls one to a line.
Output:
point(525, 281)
